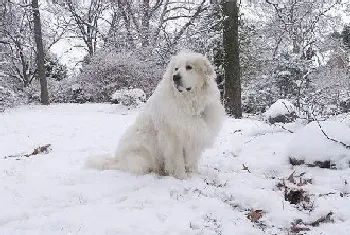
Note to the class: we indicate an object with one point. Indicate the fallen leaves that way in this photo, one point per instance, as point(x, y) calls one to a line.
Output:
point(42, 149)
point(321, 164)
point(302, 181)
point(300, 226)
point(298, 229)
point(324, 219)
point(294, 192)
point(255, 215)
point(291, 178)
point(45, 149)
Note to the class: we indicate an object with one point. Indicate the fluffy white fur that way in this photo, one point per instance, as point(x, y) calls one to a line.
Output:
point(176, 125)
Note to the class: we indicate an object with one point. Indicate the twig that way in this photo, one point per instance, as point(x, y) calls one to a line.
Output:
point(325, 219)
point(325, 194)
point(283, 128)
point(255, 137)
point(286, 129)
point(284, 103)
point(245, 168)
point(334, 140)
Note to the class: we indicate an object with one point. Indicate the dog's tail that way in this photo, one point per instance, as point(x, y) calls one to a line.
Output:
point(101, 162)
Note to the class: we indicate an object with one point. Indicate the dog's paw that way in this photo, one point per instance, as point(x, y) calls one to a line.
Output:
point(181, 175)
point(191, 169)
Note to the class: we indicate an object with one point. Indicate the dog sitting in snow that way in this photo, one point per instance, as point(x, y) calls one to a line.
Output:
point(179, 121)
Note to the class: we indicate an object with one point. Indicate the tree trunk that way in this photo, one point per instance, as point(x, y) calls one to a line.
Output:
point(44, 96)
point(89, 39)
point(233, 101)
point(145, 22)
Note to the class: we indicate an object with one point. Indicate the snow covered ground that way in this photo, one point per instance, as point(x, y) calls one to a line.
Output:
point(49, 194)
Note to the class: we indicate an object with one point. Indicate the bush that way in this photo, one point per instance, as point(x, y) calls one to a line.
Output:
point(54, 69)
point(132, 97)
point(345, 105)
point(110, 70)
point(258, 95)
point(10, 95)
point(282, 111)
point(65, 91)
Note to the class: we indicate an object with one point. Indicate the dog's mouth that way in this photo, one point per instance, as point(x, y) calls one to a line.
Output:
point(182, 89)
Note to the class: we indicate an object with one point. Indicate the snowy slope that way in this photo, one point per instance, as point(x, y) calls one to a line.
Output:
point(53, 194)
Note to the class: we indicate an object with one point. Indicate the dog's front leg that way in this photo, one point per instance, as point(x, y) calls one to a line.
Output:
point(174, 161)
point(191, 160)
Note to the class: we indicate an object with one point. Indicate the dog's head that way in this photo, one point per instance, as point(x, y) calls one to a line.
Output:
point(189, 71)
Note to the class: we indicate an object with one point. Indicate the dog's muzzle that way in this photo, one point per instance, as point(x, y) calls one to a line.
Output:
point(177, 78)
point(177, 82)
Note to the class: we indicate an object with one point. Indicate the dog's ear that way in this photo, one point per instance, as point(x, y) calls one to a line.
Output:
point(169, 69)
point(208, 69)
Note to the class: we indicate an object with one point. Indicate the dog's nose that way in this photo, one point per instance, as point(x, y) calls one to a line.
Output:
point(176, 78)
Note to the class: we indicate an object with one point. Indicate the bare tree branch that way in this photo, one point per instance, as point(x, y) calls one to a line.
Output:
point(334, 140)
point(199, 10)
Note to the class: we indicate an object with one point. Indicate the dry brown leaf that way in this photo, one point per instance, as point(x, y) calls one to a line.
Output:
point(291, 178)
point(298, 229)
point(303, 182)
point(42, 149)
point(255, 215)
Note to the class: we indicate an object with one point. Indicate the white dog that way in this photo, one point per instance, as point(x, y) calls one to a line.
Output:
point(178, 122)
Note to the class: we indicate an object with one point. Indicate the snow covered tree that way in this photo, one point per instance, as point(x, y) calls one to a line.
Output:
point(150, 24)
point(137, 31)
point(298, 29)
point(17, 38)
point(346, 36)
point(86, 19)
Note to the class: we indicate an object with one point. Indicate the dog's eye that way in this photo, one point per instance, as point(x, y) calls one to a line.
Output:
point(188, 67)
point(176, 69)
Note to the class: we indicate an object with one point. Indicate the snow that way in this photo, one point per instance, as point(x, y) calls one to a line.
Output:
point(311, 145)
point(71, 53)
point(280, 107)
point(129, 96)
point(298, 83)
point(54, 194)
point(284, 73)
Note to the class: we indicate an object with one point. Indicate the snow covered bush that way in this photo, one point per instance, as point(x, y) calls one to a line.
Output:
point(129, 97)
point(321, 144)
point(281, 111)
point(54, 69)
point(319, 96)
point(65, 91)
point(110, 70)
point(330, 93)
point(7, 98)
point(345, 105)
point(258, 95)
point(10, 95)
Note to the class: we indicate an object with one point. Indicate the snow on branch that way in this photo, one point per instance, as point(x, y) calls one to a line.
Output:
point(334, 140)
